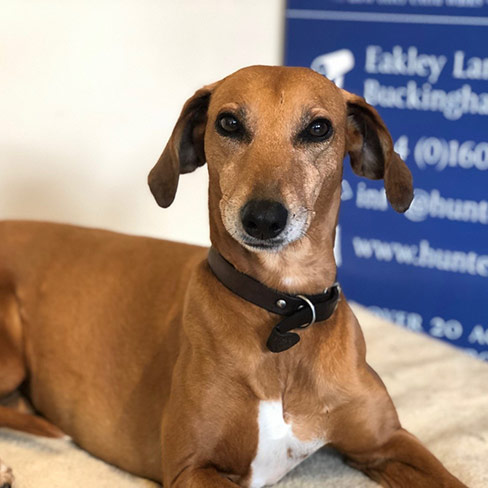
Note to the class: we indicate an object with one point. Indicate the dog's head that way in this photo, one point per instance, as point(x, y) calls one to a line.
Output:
point(274, 139)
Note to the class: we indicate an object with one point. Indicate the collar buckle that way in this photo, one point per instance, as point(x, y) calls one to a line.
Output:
point(312, 309)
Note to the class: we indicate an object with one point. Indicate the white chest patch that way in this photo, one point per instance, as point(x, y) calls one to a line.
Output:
point(279, 451)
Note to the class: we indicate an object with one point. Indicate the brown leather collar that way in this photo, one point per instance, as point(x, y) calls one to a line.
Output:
point(300, 311)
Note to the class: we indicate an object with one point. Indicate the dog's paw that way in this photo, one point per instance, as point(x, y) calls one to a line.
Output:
point(6, 476)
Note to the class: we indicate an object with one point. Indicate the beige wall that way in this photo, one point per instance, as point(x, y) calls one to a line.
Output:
point(90, 90)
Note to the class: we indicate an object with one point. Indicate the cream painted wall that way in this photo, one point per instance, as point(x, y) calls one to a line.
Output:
point(89, 93)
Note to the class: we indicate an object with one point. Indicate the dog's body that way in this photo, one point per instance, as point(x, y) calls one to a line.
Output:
point(135, 349)
point(135, 286)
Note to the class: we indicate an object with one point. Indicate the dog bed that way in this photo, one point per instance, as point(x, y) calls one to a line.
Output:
point(441, 395)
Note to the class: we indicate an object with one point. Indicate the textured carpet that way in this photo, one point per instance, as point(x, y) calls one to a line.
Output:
point(441, 395)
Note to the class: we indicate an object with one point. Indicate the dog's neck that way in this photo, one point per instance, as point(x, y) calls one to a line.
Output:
point(306, 266)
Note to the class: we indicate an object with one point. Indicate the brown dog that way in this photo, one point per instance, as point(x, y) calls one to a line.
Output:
point(135, 348)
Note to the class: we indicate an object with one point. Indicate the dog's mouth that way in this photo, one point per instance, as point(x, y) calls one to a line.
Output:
point(292, 232)
point(263, 245)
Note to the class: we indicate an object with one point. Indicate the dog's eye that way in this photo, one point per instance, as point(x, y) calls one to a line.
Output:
point(228, 123)
point(319, 130)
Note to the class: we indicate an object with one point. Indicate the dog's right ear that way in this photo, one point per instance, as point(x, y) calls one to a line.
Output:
point(184, 151)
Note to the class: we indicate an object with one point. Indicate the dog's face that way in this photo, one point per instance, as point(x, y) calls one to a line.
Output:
point(274, 139)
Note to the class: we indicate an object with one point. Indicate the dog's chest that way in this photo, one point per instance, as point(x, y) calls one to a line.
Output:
point(279, 450)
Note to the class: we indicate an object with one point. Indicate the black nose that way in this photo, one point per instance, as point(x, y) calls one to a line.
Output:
point(263, 219)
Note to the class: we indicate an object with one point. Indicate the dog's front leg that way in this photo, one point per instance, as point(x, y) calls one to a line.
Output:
point(209, 430)
point(368, 432)
point(403, 462)
point(197, 452)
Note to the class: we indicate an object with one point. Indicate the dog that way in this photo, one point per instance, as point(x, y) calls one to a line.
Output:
point(227, 368)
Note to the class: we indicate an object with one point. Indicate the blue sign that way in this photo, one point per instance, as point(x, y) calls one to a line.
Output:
point(424, 65)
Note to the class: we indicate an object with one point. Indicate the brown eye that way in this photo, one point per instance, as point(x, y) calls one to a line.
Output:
point(230, 126)
point(319, 129)
point(229, 123)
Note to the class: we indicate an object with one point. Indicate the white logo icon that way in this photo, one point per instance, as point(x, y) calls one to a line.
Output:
point(347, 192)
point(334, 65)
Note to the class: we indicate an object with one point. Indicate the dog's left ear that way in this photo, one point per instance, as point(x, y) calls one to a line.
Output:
point(370, 149)
point(184, 152)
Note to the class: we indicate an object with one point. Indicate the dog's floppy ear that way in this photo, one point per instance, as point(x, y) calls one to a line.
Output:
point(184, 151)
point(370, 149)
